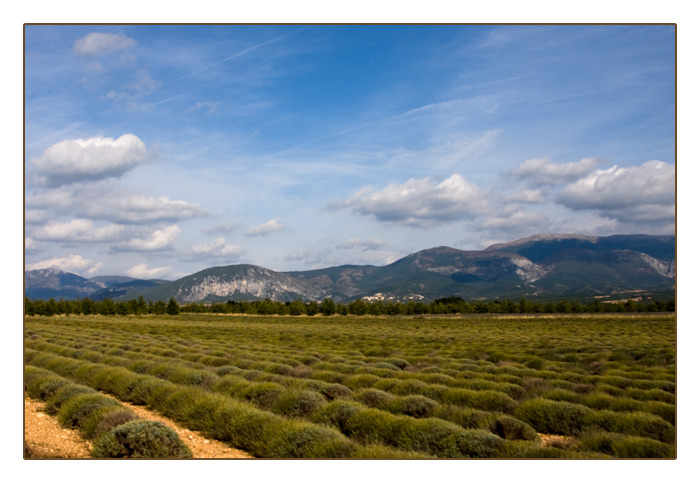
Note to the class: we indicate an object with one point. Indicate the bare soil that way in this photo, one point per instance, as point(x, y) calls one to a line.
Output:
point(45, 439)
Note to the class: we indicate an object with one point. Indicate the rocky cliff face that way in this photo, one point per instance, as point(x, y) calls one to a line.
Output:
point(251, 281)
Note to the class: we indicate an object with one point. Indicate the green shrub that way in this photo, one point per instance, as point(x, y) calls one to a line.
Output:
point(337, 413)
point(225, 370)
point(477, 443)
point(408, 387)
point(231, 384)
point(433, 436)
point(373, 398)
point(561, 395)
point(414, 406)
point(109, 419)
point(44, 384)
point(632, 424)
point(555, 417)
point(511, 428)
point(359, 381)
point(621, 446)
point(76, 411)
point(336, 391)
point(264, 394)
point(661, 409)
point(486, 400)
point(465, 417)
point(142, 389)
point(377, 451)
point(527, 449)
point(140, 439)
point(370, 426)
point(298, 404)
point(298, 439)
point(63, 394)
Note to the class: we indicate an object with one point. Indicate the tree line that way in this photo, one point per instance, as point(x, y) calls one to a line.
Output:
point(328, 307)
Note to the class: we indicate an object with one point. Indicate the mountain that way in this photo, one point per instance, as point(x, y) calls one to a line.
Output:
point(544, 266)
point(49, 283)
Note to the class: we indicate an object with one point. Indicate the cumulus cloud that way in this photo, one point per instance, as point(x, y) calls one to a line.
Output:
point(270, 226)
point(650, 184)
point(68, 263)
point(100, 201)
point(90, 159)
point(77, 230)
point(421, 203)
point(147, 209)
point(217, 249)
point(98, 43)
point(542, 171)
point(158, 240)
point(142, 271)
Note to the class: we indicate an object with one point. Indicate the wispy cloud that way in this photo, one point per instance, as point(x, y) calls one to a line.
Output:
point(235, 55)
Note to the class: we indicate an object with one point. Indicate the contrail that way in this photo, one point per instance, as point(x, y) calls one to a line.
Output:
point(237, 54)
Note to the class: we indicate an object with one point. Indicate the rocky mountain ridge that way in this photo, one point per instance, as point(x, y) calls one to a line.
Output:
point(544, 265)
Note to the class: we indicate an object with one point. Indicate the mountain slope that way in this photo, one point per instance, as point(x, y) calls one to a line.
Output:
point(545, 266)
point(50, 283)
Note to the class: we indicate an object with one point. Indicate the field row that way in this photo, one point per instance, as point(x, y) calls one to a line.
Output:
point(615, 399)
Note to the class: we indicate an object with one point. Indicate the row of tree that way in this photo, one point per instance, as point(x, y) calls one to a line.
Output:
point(442, 306)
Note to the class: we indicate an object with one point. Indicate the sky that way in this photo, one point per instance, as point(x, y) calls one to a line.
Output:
point(156, 151)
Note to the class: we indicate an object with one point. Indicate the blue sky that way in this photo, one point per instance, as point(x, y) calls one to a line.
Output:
point(158, 151)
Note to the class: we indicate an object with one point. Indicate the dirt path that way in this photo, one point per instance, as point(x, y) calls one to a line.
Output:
point(44, 438)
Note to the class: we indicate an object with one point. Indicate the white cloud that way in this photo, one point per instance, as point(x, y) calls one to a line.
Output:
point(142, 271)
point(270, 226)
point(542, 171)
point(68, 263)
point(158, 240)
point(98, 43)
point(100, 201)
point(652, 183)
point(77, 230)
point(217, 249)
point(146, 209)
point(420, 202)
point(90, 159)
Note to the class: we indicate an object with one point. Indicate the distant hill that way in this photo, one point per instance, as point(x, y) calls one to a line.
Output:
point(50, 283)
point(544, 266)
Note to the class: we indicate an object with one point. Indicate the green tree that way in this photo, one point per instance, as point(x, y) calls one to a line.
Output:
point(297, 307)
point(327, 307)
point(172, 308)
